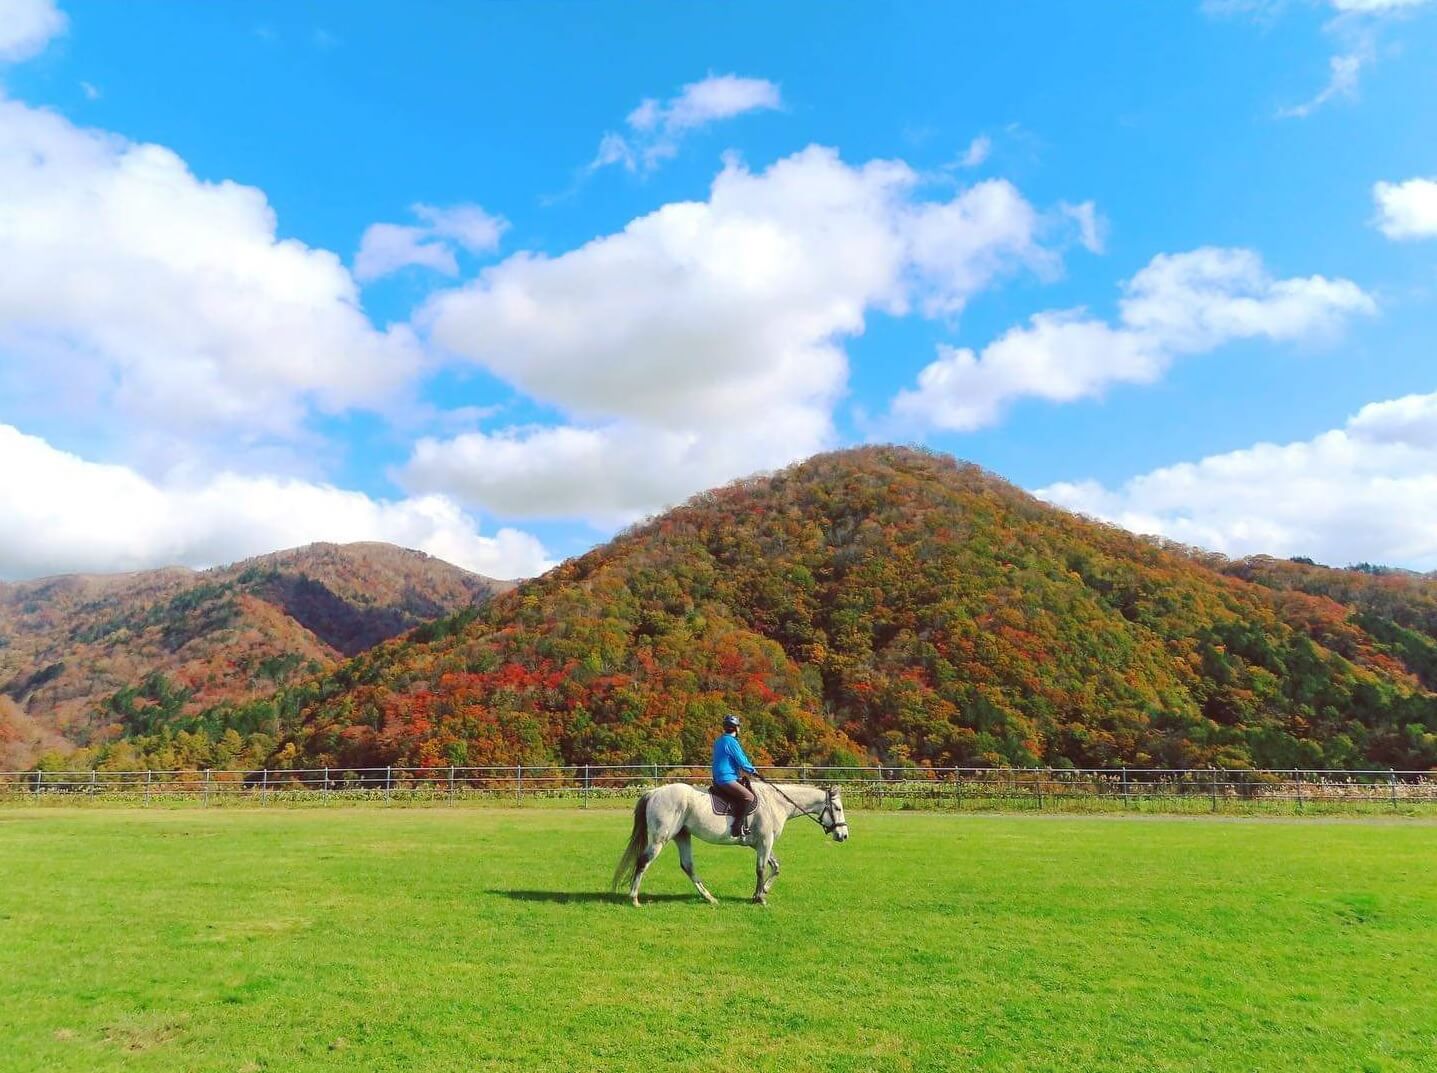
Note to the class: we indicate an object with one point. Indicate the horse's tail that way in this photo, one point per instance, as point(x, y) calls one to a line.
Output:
point(638, 839)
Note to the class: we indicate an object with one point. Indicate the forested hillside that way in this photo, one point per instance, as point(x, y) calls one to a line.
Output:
point(887, 603)
point(90, 659)
point(878, 603)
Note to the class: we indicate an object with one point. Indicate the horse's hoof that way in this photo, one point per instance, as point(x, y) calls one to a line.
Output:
point(759, 900)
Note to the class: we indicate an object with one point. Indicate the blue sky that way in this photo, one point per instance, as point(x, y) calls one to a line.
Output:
point(296, 271)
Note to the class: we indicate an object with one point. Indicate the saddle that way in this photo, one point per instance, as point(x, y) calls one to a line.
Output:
point(721, 807)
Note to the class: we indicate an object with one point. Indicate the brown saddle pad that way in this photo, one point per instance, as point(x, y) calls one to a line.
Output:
point(721, 806)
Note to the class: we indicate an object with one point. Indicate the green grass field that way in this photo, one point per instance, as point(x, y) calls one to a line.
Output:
point(453, 939)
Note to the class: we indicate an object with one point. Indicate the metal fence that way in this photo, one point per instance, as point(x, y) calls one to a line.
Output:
point(873, 787)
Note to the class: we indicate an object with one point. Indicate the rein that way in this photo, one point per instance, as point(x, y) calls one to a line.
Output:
point(828, 829)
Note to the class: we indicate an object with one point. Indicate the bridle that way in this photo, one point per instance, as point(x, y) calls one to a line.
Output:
point(826, 817)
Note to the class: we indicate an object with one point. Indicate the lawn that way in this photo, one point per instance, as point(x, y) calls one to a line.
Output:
point(460, 939)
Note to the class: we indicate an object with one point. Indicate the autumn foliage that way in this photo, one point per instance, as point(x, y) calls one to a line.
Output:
point(886, 603)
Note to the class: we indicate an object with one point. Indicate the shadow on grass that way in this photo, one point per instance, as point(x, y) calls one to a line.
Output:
point(580, 897)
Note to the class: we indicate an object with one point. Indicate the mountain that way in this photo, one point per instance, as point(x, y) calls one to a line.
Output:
point(86, 658)
point(893, 604)
point(1397, 607)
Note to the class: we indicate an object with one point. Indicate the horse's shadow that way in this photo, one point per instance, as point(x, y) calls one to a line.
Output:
point(580, 897)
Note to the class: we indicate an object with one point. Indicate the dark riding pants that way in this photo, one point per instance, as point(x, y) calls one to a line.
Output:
point(740, 798)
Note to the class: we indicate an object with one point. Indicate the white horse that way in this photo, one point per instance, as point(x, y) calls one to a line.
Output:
point(677, 812)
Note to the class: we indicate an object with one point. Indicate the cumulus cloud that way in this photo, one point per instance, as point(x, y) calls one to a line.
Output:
point(385, 248)
point(610, 474)
point(169, 299)
point(27, 26)
point(1407, 210)
point(655, 128)
point(702, 311)
point(682, 343)
point(1178, 304)
point(61, 513)
point(1364, 492)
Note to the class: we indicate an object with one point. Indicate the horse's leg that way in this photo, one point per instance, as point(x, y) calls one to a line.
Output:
point(646, 858)
point(772, 874)
point(764, 850)
point(685, 843)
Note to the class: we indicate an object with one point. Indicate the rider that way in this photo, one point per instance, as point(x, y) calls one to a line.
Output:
point(731, 767)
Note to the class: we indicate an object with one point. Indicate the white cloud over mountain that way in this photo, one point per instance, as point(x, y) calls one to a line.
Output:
point(1179, 304)
point(1364, 492)
point(705, 339)
point(60, 513)
point(164, 302)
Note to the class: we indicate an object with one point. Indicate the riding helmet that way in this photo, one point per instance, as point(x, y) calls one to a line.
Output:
point(730, 722)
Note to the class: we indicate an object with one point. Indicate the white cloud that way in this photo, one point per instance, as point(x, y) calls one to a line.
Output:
point(1364, 492)
point(386, 248)
point(1355, 25)
point(611, 474)
point(704, 311)
point(163, 304)
point(1344, 72)
point(705, 339)
point(655, 127)
point(977, 152)
point(91, 91)
point(1375, 7)
point(60, 513)
point(958, 247)
point(1092, 228)
point(1407, 210)
point(1178, 304)
point(27, 26)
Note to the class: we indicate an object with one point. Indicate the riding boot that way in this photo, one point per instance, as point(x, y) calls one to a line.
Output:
point(739, 827)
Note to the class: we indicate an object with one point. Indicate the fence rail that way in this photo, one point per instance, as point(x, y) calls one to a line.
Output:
point(871, 786)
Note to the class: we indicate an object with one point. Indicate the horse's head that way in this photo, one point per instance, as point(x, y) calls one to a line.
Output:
point(832, 818)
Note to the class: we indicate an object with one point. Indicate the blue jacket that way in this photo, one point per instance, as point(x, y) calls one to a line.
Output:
point(730, 760)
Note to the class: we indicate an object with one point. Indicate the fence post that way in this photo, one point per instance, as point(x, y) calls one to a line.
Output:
point(518, 781)
point(1040, 791)
point(585, 797)
point(1125, 786)
point(324, 786)
point(263, 785)
point(389, 782)
point(1392, 782)
point(1214, 789)
point(1297, 777)
point(147, 786)
point(957, 790)
point(451, 782)
point(39, 778)
point(94, 782)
